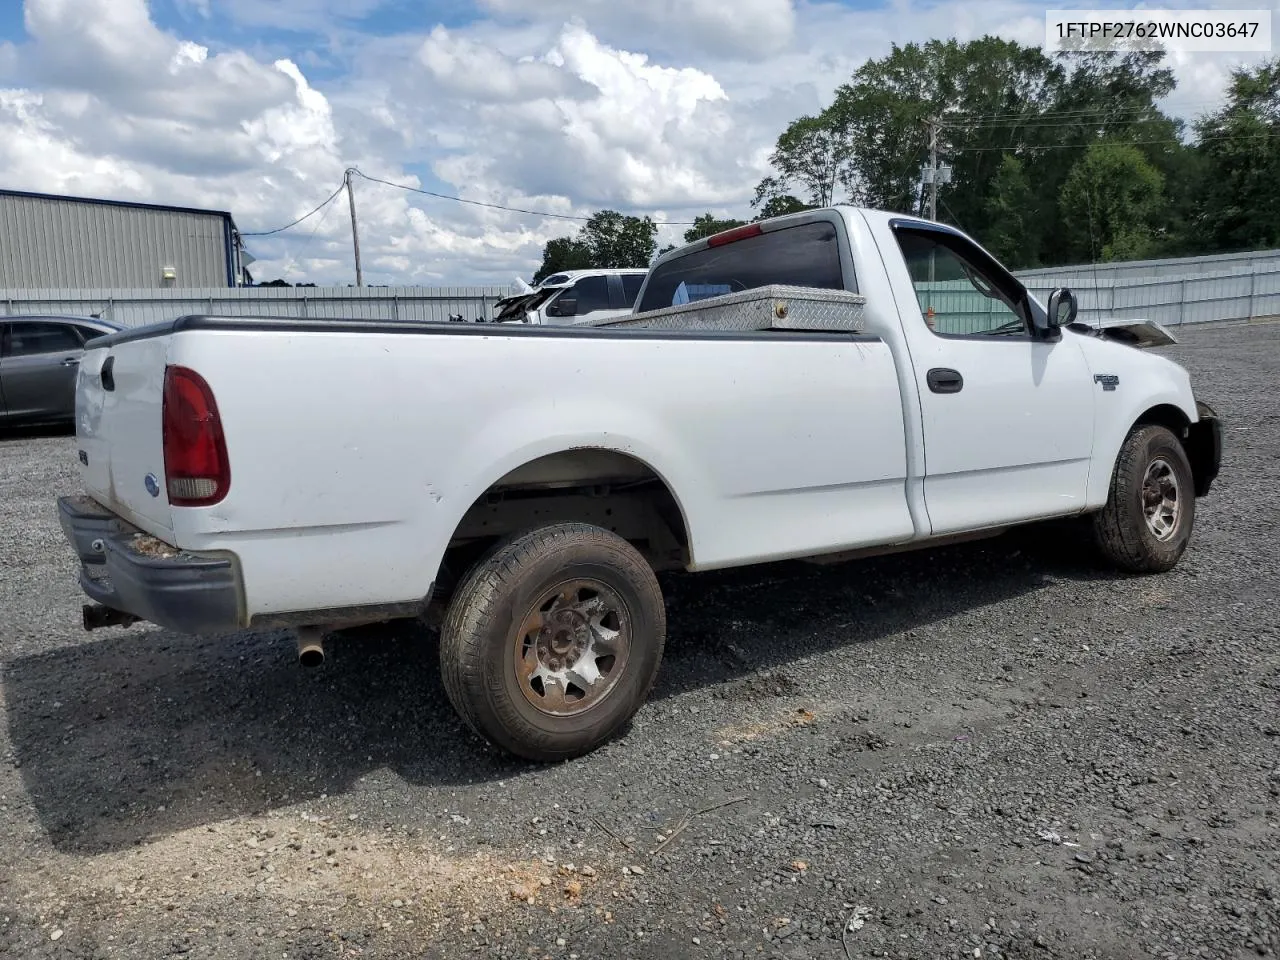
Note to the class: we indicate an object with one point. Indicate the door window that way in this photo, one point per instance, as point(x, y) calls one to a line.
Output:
point(30, 339)
point(631, 284)
point(592, 294)
point(958, 291)
point(89, 333)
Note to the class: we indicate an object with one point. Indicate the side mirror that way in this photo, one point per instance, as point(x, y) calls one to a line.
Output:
point(1062, 307)
point(564, 307)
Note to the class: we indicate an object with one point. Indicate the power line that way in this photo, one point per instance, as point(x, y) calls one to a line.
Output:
point(441, 196)
point(1064, 112)
point(267, 233)
point(1080, 146)
point(686, 223)
point(1054, 124)
point(952, 120)
point(306, 244)
point(499, 206)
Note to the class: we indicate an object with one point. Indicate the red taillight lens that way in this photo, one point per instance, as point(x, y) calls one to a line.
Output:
point(734, 234)
point(196, 467)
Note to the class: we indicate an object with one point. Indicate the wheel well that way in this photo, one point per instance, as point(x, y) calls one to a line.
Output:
point(1194, 441)
point(612, 490)
point(1166, 415)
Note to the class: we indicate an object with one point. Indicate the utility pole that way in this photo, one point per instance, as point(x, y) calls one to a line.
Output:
point(933, 175)
point(355, 232)
point(933, 169)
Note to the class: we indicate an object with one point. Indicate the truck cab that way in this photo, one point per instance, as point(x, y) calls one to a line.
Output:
point(574, 297)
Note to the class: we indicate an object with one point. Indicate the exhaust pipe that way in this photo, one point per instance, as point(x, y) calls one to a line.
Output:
point(96, 616)
point(310, 646)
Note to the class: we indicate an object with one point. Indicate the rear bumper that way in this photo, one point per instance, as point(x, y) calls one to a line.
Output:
point(1204, 448)
point(129, 571)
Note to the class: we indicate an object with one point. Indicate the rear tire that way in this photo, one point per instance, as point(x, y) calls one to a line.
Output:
point(552, 641)
point(1151, 507)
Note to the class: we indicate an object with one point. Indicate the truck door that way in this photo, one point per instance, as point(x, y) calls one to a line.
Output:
point(588, 298)
point(1007, 416)
point(38, 367)
point(4, 348)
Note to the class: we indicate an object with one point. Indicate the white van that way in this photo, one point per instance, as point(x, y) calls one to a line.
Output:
point(578, 297)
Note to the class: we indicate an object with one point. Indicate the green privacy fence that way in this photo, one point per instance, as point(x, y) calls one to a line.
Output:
point(958, 307)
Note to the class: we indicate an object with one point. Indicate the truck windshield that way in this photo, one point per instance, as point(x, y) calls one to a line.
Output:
point(807, 255)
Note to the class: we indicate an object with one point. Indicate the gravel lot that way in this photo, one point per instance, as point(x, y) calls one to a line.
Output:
point(986, 751)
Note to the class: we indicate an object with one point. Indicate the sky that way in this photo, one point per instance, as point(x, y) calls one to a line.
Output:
point(666, 108)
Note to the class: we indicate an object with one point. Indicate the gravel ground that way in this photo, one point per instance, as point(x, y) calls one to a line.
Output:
point(992, 750)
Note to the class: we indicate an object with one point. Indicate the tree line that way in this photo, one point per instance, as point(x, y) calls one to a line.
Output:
point(1054, 159)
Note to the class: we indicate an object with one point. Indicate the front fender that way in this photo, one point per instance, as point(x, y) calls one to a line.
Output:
point(1131, 385)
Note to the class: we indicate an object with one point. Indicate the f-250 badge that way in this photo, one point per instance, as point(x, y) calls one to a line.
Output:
point(1109, 381)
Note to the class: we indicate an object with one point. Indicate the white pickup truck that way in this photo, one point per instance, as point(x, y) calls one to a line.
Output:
point(524, 483)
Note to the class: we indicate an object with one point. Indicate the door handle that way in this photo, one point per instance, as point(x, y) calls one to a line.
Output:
point(945, 380)
point(70, 362)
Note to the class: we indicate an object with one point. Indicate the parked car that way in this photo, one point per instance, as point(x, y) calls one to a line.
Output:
point(39, 356)
point(863, 382)
point(574, 297)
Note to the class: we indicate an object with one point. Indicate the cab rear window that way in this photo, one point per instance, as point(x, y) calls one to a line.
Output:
point(807, 255)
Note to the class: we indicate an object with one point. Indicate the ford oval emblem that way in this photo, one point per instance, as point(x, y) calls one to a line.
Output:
point(152, 485)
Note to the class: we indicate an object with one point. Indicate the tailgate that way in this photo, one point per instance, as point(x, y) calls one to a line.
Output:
point(119, 401)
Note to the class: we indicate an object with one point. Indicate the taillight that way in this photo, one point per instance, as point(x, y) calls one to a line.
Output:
point(197, 471)
point(735, 234)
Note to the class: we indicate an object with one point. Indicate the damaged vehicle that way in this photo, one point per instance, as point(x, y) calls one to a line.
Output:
point(830, 384)
point(574, 297)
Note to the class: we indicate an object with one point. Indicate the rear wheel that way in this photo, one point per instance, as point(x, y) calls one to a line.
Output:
point(1151, 507)
point(552, 641)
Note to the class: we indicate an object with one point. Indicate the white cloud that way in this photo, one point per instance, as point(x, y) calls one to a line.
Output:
point(299, 15)
point(603, 126)
point(475, 71)
point(738, 28)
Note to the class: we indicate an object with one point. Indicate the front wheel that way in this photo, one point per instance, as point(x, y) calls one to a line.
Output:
point(1151, 507)
point(552, 642)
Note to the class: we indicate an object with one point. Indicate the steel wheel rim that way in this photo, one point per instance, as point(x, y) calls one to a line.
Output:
point(1161, 505)
point(572, 647)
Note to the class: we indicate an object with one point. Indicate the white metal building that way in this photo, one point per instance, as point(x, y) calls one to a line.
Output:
point(58, 242)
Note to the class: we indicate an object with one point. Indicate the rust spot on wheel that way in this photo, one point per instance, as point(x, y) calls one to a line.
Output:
point(572, 647)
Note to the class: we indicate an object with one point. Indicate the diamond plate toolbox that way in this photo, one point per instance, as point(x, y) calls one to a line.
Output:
point(773, 307)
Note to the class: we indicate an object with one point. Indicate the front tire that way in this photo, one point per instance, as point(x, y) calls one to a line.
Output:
point(552, 641)
point(1151, 507)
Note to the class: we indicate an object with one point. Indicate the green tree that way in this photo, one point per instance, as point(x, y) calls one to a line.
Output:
point(563, 253)
point(707, 225)
point(1239, 204)
point(607, 240)
point(616, 240)
point(882, 119)
point(986, 99)
point(780, 205)
point(1113, 97)
point(814, 154)
point(1011, 215)
point(1111, 203)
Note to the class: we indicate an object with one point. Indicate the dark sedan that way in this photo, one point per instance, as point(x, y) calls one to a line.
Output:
point(39, 357)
